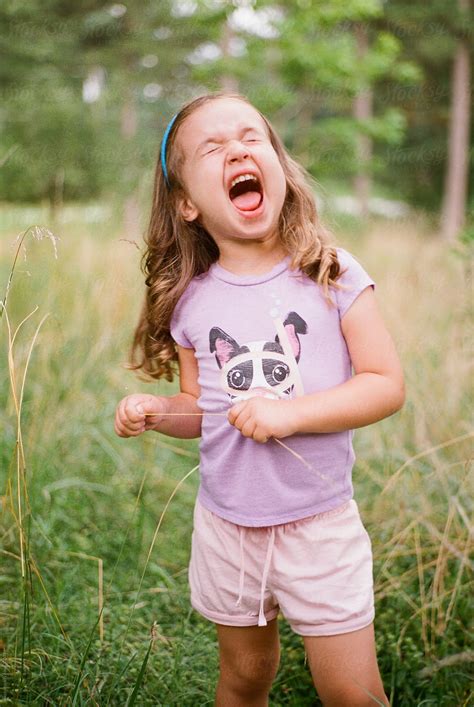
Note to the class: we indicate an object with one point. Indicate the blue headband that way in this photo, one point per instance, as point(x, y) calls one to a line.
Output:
point(163, 148)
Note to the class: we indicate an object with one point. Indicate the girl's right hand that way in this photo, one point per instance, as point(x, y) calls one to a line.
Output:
point(130, 418)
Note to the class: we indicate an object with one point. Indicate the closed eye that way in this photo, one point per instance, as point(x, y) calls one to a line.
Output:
point(218, 147)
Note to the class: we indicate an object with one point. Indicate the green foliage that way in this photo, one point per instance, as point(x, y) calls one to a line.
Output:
point(297, 61)
point(95, 496)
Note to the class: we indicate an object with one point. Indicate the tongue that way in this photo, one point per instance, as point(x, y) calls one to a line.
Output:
point(248, 201)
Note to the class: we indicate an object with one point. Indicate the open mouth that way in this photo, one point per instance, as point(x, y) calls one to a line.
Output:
point(247, 193)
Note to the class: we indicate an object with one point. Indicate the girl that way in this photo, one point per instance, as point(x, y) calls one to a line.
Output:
point(264, 317)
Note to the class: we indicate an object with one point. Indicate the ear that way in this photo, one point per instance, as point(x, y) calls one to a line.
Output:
point(187, 209)
point(224, 346)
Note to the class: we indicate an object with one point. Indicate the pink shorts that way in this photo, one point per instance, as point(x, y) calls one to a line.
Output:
point(317, 571)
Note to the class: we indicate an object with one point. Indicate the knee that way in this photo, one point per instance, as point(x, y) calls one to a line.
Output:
point(250, 672)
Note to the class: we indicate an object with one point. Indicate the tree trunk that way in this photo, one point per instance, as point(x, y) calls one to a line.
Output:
point(56, 194)
point(128, 129)
point(363, 110)
point(456, 176)
point(228, 82)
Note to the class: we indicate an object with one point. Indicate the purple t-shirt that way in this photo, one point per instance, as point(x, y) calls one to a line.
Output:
point(274, 335)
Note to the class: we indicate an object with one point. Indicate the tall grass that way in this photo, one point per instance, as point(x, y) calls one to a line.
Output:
point(94, 603)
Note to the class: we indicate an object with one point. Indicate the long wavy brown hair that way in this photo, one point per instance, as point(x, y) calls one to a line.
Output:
point(177, 250)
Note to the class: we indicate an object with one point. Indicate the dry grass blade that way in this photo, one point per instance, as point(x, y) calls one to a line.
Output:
point(450, 442)
point(446, 662)
point(275, 439)
point(21, 462)
point(100, 588)
point(421, 582)
point(38, 232)
point(457, 584)
point(452, 548)
point(152, 544)
point(437, 586)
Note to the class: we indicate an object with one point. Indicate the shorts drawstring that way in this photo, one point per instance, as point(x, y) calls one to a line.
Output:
point(261, 616)
point(242, 566)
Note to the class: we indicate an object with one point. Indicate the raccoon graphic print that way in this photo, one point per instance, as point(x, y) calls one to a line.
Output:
point(273, 335)
point(260, 367)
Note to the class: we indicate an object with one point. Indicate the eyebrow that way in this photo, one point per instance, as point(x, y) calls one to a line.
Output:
point(242, 131)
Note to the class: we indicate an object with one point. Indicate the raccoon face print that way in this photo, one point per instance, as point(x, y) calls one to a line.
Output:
point(258, 367)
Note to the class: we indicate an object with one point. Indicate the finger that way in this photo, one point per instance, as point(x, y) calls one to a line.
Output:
point(259, 435)
point(248, 428)
point(134, 412)
point(127, 430)
point(231, 415)
point(124, 425)
point(121, 431)
point(120, 414)
point(151, 404)
point(135, 425)
point(152, 419)
point(129, 426)
point(239, 421)
point(124, 411)
point(244, 414)
point(152, 422)
point(235, 411)
point(119, 421)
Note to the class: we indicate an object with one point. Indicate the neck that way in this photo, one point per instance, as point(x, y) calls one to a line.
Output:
point(251, 257)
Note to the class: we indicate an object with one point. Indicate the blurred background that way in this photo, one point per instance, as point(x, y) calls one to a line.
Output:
point(373, 98)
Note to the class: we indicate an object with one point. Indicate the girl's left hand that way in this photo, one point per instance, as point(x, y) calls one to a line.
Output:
point(261, 418)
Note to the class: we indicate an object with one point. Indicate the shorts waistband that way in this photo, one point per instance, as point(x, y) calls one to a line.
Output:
point(324, 514)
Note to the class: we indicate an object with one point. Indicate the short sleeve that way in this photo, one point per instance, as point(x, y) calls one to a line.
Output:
point(355, 278)
point(178, 325)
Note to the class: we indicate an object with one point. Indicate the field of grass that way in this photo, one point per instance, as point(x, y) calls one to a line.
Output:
point(91, 612)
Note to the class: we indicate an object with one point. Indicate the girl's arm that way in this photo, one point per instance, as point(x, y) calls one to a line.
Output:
point(377, 389)
point(187, 426)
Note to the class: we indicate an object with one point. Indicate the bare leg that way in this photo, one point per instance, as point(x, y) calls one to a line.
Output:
point(345, 670)
point(249, 657)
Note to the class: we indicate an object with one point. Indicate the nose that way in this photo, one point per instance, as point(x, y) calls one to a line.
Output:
point(237, 151)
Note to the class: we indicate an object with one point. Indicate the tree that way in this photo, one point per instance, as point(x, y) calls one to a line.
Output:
point(456, 178)
point(362, 111)
point(430, 34)
point(332, 58)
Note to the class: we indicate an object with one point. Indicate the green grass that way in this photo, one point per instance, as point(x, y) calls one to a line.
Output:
point(88, 495)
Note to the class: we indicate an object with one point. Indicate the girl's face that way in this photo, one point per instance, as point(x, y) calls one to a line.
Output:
point(222, 140)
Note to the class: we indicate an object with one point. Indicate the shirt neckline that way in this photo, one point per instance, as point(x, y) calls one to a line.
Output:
point(221, 273)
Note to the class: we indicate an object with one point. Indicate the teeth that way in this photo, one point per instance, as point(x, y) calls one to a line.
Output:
point(242, 178)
